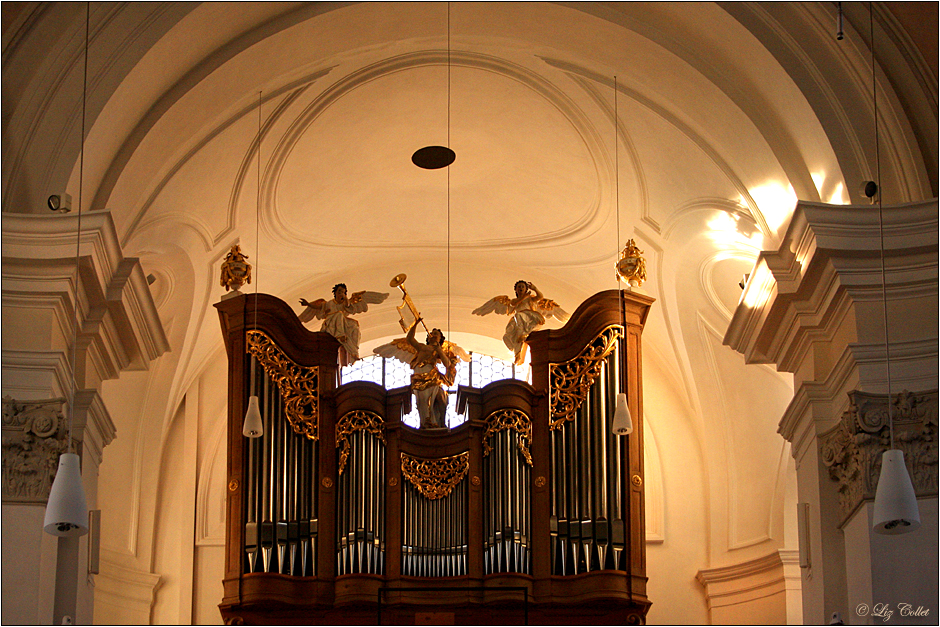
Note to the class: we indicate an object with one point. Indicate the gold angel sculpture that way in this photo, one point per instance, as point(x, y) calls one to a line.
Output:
point(528, 310)
point(427, 381)
point(336, 321)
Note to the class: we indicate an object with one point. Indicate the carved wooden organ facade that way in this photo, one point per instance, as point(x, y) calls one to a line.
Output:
point(529, 510)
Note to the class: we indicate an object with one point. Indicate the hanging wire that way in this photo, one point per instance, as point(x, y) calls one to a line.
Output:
point(623, 315)
point(448, 169)
point(881, 227)
point(78, 233)
point(616, 171)
point(258, 214)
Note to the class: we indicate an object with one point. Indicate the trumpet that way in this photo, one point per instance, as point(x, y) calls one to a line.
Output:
point(399, 281)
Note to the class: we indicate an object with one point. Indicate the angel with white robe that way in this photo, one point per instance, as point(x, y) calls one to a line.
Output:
point(528, 310)
point(336, 321)
point(427, 381)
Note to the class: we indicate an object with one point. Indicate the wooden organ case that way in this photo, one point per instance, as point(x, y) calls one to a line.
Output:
point(530, 511)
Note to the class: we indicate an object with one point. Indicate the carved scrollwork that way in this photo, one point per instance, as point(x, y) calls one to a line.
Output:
point(34, 435)
point(852, 450)
point(435, 478)
point(509, 419)
point(298, 385)
point(351, 422)
point(571, 380)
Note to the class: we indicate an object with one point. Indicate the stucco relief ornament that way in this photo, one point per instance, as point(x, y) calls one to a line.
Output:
point(33, 438)
point(852, 450)
point(235, 270)
point(632, 266)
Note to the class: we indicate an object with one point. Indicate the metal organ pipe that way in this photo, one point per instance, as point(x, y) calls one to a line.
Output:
point(588, 527)
point(280, 491)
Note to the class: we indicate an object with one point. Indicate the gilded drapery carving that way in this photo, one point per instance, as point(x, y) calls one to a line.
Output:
point(435, 478)
point(509, 419)
point(351, 422)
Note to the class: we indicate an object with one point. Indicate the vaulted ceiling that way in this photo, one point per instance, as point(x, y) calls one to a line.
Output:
point(726, 115)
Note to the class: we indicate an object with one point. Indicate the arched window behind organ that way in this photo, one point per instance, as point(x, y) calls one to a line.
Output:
point(391, 374)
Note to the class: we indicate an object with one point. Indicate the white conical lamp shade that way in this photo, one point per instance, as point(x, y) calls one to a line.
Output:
point(253, 427)
point(67, 511)
point(623, 421)
point(895, 502)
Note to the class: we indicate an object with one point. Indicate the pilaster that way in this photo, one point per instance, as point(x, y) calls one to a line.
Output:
point(64, 332)
point(814, 307)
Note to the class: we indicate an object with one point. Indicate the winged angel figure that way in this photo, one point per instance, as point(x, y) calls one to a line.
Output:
point(336, 320)
point(528, 310)
point(427, 381)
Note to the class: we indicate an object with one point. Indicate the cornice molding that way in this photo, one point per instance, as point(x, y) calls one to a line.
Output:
point(743, 582)
point(119, 316)
point(817, 404)
point(794, 294)
point(96, 429)
point(129, 593)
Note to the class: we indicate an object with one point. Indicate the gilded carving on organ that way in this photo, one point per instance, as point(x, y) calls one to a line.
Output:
point(359, 420)
point(571, 380)
point(632, 266)
point(235, 270)
point(435, 478)
point(297, 384)
point(509, 419)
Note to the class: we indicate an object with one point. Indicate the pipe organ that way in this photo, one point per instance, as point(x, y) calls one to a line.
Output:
point(339, 502)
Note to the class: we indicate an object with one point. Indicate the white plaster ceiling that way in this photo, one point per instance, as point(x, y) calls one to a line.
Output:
point(726, 114)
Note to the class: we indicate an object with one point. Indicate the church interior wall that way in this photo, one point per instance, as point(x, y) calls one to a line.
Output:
point(720, 133)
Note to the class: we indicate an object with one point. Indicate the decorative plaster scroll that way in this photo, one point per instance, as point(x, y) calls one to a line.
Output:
point(852, 450)
point(509, 419)
point(571, 380)
point(35, 433)
point(298, 384)
point(435, 478)
point(358, 420)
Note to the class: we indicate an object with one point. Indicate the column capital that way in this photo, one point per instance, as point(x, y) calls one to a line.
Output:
point(852, 450)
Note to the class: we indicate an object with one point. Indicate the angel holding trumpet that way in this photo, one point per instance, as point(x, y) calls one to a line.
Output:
point(336, 321)
point(528, 310)
point(427, 381)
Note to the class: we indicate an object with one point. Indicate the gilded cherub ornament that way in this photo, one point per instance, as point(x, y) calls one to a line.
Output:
point(632, 267)
point(427, 381)
point(235, 270)
point(528, 310)
point(336, 321)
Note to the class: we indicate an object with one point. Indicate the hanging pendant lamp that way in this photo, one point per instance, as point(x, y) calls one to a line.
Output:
point(67, 509)
point(623, 421)
point(253, 427)
point(895, 511)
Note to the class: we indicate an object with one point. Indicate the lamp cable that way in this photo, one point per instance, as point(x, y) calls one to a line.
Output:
point(448, 169)
point(881, 229)
point(78, 230)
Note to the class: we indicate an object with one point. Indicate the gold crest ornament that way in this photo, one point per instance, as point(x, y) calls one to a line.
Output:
point(235, 270)
point(632, 267)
